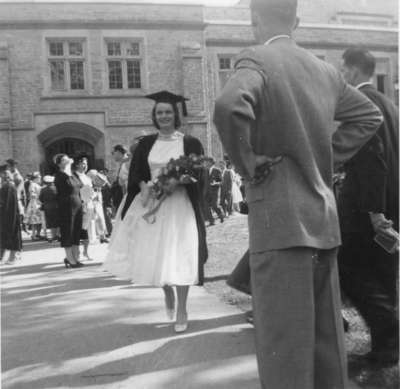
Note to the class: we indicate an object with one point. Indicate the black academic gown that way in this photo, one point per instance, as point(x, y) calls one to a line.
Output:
point(10, 227)
point(388, 132)
point(140, 171)
point(367, 272)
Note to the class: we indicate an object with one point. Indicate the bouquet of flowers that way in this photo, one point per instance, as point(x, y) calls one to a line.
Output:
point(182, 171)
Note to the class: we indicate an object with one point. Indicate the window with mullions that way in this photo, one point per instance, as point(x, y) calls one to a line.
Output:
point(66, 60)
point(124, 60)
point(225, 68)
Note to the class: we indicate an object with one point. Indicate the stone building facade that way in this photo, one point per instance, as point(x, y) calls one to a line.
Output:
point(73, 75)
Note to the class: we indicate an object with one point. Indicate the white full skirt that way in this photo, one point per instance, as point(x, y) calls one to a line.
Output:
point(162, 253)
point(236, 194)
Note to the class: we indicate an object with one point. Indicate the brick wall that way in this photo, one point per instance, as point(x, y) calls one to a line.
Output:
point(180, 54)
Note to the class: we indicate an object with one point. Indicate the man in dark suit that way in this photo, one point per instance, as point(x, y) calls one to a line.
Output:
point(276, 115)
point(213, 180)
point(226, 187)
point(369, 205)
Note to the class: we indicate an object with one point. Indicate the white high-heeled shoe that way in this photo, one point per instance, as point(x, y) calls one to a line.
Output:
point(179, 328)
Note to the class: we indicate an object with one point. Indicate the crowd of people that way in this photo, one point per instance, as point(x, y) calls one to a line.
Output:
point(45, 205)
point(45, 208)
point(275, 119)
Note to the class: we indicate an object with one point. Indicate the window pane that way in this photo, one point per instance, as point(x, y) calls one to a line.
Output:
point(134, 80)
point(381, 82)
point(224, 63)
point(75, 48)
point(115, 74)
point(77, 75)
point(133, 49)
point(114, 48)
point(57, 75)
point(56, 48)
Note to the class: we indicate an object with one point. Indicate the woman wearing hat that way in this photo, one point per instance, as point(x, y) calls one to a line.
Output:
point(98, 181)
point(48, 198)
point(33, 214)
point(69, 209)
point(88, 233)
point(171, 251)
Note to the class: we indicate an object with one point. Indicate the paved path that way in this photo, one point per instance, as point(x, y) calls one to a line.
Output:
point(80, 328)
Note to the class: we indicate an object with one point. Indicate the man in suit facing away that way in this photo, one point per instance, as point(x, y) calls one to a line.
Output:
point(276, 115)
point(213, 182)
point(369, 205)
point(226, 187)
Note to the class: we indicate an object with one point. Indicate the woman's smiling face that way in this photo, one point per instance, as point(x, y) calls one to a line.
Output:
point(165, 116)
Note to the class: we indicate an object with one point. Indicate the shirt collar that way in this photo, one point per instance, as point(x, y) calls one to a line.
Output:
point(364, 84)
point(274, 38)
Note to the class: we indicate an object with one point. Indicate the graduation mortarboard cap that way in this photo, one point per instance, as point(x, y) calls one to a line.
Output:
point(168, 97)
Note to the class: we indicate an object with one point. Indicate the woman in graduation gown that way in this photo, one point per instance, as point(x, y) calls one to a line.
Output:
point(172, 250)
point(10, 227)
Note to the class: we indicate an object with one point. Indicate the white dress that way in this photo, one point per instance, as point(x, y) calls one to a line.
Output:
point(165, 252)
point(236, 193)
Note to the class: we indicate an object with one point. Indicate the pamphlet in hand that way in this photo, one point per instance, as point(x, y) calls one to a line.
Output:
point(390, 244)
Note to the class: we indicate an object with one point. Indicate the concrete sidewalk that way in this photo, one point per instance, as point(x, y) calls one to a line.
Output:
point(81, 328)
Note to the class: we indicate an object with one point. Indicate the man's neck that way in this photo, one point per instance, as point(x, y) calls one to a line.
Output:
point(271, 34)
point(363, 82)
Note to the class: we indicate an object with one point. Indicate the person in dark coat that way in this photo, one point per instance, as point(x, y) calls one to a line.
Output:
point(369, 205)
point(48, 199)
point(70, 210)
point(226, 187)
point(212, 190)
point(169, 251)
point(107, 202)
point(10, 227)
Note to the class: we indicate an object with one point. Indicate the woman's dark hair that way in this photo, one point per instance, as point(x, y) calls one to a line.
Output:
point(176, 116)
point(120, 149)
point(80, 158)
point(58, 158)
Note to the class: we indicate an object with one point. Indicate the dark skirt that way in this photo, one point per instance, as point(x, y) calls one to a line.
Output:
point(70, 225)
point(10, 227)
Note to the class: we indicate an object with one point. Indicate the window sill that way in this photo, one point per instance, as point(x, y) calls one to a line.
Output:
point(104, 95)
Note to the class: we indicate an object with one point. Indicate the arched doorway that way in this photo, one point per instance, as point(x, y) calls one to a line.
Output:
point(72, 147)
point(73, 139)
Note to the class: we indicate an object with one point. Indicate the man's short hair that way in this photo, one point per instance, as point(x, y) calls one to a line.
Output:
point(361, 59)
point(282, 11)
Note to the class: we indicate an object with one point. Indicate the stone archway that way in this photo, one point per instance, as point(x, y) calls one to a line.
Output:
point(72, 138)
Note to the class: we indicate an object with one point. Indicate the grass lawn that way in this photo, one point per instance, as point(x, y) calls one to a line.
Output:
point(227, 242)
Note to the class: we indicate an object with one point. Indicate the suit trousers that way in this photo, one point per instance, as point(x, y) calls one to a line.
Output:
point(297, 318)
point(212, 203)
point(226, 201)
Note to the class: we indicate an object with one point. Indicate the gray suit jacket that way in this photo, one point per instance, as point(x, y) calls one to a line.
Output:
point(282, 100)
